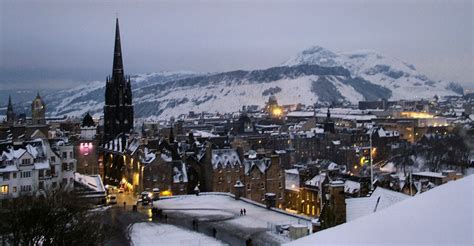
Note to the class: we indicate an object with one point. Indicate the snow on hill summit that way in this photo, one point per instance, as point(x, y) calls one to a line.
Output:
point(315, 75)
point(401, 78)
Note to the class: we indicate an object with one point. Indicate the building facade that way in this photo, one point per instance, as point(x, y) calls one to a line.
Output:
point(34, 167)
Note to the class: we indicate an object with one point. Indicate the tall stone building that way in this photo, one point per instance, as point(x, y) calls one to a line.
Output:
point(334, 209)
point(38, 109)
point(118, 109)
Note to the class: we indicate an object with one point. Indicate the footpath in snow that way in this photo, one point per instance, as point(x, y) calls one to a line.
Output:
point(219, 214)
point(226, 207)
point(148, 233)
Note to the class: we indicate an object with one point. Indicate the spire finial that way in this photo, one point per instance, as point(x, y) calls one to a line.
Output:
point(117, 69)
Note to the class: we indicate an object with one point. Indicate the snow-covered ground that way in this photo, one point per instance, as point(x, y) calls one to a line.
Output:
point(148, 233)
point(229, 209)
point(441, 216)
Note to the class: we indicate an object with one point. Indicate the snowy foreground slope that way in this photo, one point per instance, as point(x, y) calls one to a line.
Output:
point(441, 216)
point(147, 234)
point(314, 75)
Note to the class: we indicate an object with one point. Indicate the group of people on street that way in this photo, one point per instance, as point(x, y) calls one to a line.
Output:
point(243, 211)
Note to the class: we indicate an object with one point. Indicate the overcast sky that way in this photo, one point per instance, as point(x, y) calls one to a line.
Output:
point(52, 44)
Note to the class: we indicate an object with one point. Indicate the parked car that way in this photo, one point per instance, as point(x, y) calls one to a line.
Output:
point(112, 199)
point(145, 197)
point(156, 194)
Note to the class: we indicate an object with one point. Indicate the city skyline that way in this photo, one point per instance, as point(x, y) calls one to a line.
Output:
point(277, 145)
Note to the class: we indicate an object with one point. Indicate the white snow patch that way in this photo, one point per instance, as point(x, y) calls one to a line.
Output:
point(165, 234)
point(441, 216)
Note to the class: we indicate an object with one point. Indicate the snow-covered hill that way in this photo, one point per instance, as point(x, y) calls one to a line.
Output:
point(314, 75)
point(401, 78)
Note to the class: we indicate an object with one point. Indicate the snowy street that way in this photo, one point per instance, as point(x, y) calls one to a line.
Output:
point(220, 215)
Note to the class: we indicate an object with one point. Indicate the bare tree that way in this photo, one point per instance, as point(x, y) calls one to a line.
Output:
point(54, 218)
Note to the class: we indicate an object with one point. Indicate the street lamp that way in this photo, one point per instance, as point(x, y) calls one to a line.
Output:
point(371, 160)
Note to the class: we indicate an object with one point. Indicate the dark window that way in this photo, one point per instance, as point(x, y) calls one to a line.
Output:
point(25, 174)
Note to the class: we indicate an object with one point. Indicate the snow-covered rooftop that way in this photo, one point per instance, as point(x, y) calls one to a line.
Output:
point(148, 156)
point(351, 187)
point(317, 180)
point(292, 179)
point(203, 134)
point(430, 174)
point(179, 173)
point(225, 158)
point(380, 199)
point(93, 182)
point(261, 164)
point(441, 216)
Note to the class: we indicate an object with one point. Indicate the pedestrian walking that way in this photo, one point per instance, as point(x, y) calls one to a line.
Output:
point(245, 212)
point(241, 212)
point(124, 205)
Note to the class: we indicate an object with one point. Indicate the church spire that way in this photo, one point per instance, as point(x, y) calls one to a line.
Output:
point(118, 108)
point(10, 105)
point(10, 113)
point(117, 70)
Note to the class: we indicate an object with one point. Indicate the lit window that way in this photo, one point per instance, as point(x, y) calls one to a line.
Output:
point(4, 189)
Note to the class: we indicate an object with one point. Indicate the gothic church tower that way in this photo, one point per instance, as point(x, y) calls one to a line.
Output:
point(118, 109)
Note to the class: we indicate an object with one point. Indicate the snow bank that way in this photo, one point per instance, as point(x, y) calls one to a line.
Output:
point(441, 216)
point(164, 234)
